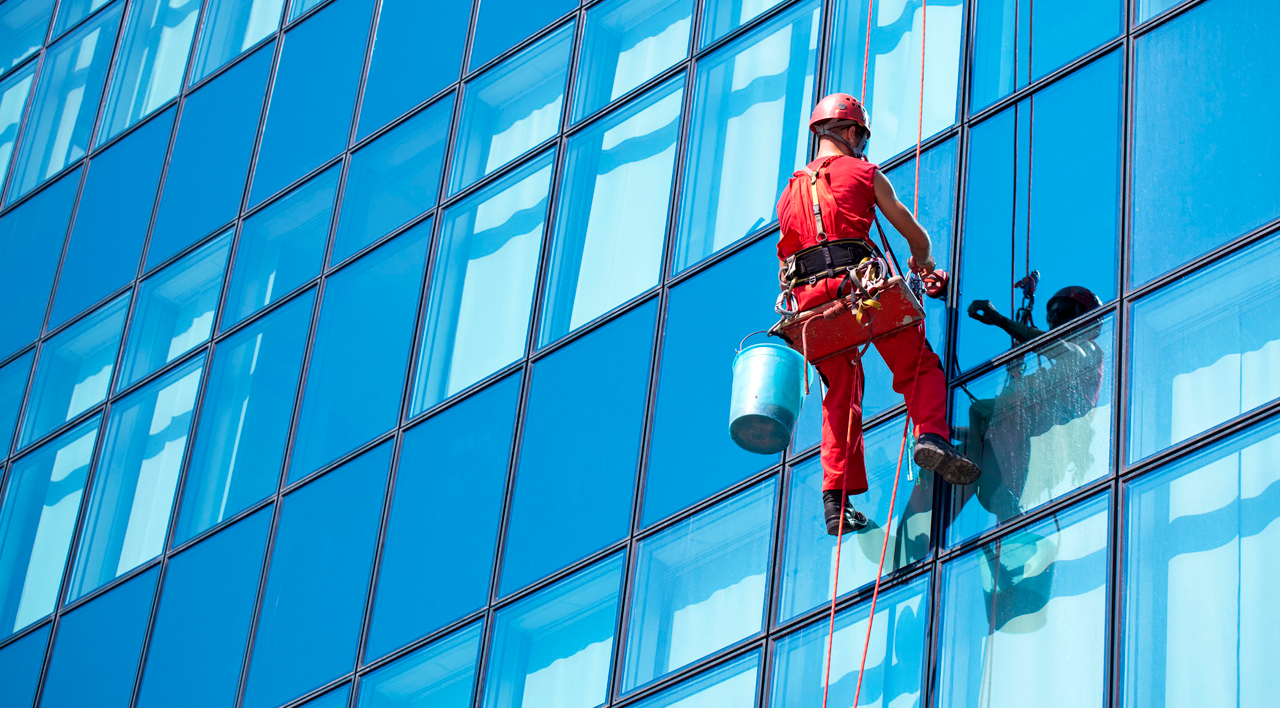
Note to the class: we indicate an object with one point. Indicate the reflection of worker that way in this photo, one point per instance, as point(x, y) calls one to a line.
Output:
point(848, 190)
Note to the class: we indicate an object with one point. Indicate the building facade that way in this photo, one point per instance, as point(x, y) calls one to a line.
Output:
point(269, 441)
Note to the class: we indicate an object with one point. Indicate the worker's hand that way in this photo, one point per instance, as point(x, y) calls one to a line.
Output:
point(922, 267)
point(984, 312)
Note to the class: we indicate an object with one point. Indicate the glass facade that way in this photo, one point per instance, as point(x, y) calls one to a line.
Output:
point(376, 353)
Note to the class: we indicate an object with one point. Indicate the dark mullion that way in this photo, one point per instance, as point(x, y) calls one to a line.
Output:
point(1162, 18)
point(1206, 260)
point(1047, 80)
point(1200, 441)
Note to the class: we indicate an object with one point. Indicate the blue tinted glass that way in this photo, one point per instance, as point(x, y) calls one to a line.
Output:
point(502, 24)
point(96, 652)
point(1038, 428)
point(313, 95)
point(482, 284)
point(298, 7)
point(333, 699)
point(136, 477)
point(315, 598)
point(1223, 49)
point(1223, 364)
point(392, 180)
point(361, 352)
point(1024, 620)
point(733, 684)
point(700, 585)
point(74, 371)
point(719, 17)
point(20, 666)
point(895, 669)
point(13, 384)
point(612, 219)
point(13, 100)
point(417, 51)
point(31, 239)
point(152, 61)
point(244, 421)
point(434, 501)
point(440, 675)
point(695, 379)
point(175, 311)
point(1198, 536)
point(625, 43)
point(752, 101)
point(281, 247)
point(65, 104)
point(555, 648)
point(808, 561)
point(37, 519)
point(202, 625)
point(72, 11)
point(112, 219)
point(205, 181)
point(229, 28)
point(23, 24)
point(1150, 8)
point(512, 108)
point(576, 480)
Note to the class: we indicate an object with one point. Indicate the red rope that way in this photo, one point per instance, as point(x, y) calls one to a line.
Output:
point(866, 54)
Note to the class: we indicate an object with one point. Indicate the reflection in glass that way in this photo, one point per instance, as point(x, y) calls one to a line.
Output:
point(244, 421)
point(1150, 8)
point(337, 698)
point(751, 106)
point(297, 7)
point(700, 586)
point(14, 91)
point(21, 663)
point(895, 671)
point(229, 28)
point(719, 17)
point(37, 519)
point(809, 558)
point(1039, 427)
point(23, 24)
point(733, 684)
point(555, 647)
point(440, 675)
point(612, 219)
point(1199, 580)
point(1025, 616)
point(482, 284)
point(152, 61)
point(72, 11)
point(502, 24)
point(1224, 363)
point(13, 384)
point(624, 44)
point(511, 108)
point(74, 371)
point(136, 478)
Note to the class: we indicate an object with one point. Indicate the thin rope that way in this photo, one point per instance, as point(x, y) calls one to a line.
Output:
point(866, 54)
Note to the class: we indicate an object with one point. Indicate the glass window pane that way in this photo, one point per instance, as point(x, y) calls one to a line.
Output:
point(511, 109)
point(895, 670)
point(14, 92)
point(482, 284)
point(502, 24)
point(695, 379)
point(96, 652)
point(433, 501)
point(244, 421)
point(440, 675)
point(575, 484)
point(202, 625)
point(205, 181)
point(337, 698)
point(152, 61)
point(298, 7)
point(74, 371)
point(175, 311)
point(612, 219)
point(700, 586)
point(66, 103)
point(13, 384)
point(112, 219)
point(1150, 8)
point(393, 179)
point(281, 247)
point(314, 604)
point(625, 43)
point(809, 558)
point(720, 17)
point(361, 352)
point(750, 131)
point(230, 27)
point(733, 684)
point(37, 519)
point(555, 647)
point(1225, 52)
point(31, 239)
point(1201, 535)
point(136, 477)
point(1025, 617)
point(20, 665)
point(72, 11)
point(313, 96)
point(23, 24)
point(1223, 364)
point(417, 51)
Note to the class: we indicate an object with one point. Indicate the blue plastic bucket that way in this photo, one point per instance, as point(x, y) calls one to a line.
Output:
point(768, 388)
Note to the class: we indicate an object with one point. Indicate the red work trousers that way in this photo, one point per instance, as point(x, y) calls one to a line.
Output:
point(917, 376)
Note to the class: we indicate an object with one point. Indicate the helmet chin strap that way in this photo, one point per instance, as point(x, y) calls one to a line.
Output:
point(853, 151)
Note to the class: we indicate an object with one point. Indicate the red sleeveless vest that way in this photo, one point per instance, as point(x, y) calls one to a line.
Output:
point(847, 194)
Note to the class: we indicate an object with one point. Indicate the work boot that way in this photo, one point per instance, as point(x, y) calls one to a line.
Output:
point(854, 520)
point(936, 454)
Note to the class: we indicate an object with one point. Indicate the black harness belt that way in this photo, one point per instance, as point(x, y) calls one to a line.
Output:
point(826, 260)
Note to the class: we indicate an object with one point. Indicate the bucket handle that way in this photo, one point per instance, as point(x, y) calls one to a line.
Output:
point(749, 336)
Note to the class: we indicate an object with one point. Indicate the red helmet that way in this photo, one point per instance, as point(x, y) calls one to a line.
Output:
point(838, 106)
point(1083, 296)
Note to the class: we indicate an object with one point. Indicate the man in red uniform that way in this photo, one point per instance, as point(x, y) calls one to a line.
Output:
point(849, 189)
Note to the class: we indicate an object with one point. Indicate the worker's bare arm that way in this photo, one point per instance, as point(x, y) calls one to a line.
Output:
point(901, 218)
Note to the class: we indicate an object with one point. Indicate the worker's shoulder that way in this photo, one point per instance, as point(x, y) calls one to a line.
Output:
point(850, 165)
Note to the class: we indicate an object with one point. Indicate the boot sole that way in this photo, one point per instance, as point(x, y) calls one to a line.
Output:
point(953, 468)
point(835, 530)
